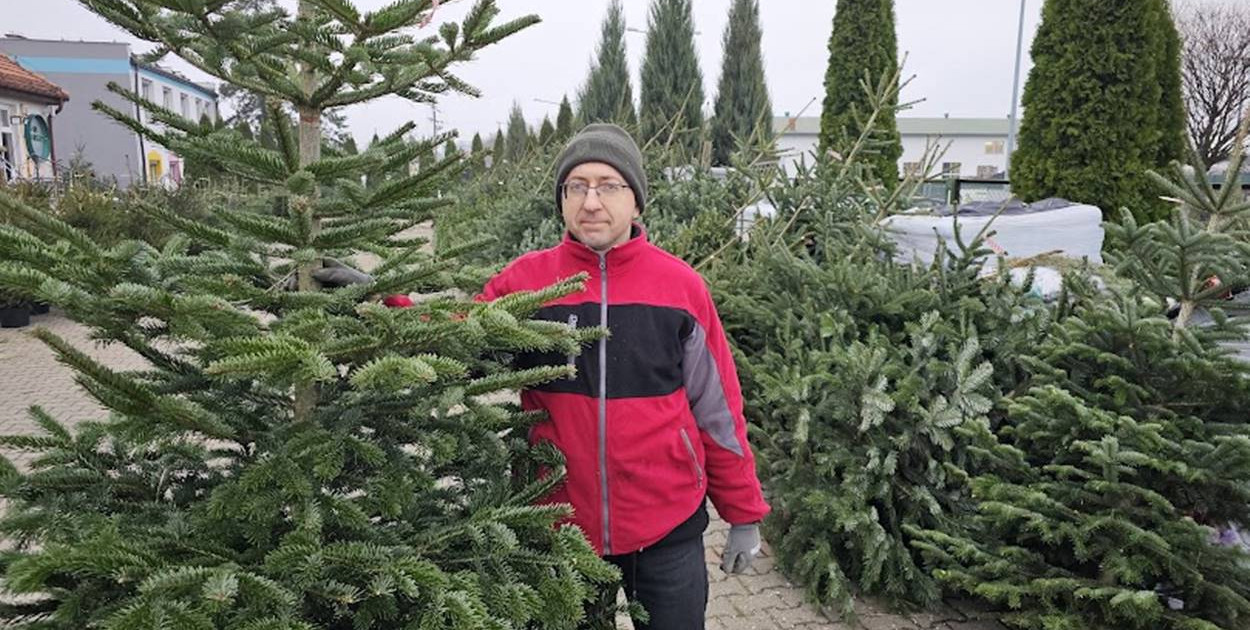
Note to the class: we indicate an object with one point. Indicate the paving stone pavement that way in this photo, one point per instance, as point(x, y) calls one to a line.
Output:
point(761, 599)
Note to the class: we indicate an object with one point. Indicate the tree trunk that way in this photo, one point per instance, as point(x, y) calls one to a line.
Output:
point(302, 205)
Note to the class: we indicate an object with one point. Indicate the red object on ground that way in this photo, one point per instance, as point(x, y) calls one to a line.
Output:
point(398, 300)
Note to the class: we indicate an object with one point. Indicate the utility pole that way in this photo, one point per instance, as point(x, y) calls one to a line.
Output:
point(1015, 91)
point(434, 116)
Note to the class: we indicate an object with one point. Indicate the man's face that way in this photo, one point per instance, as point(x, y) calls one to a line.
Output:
point(597, 206)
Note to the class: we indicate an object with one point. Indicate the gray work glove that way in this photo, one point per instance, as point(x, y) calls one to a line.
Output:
point(333, 274)
point(740, 551)
point(336, 274)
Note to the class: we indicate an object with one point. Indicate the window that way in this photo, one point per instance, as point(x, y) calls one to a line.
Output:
point(156, 167)
point(146, 90)
point(994, 147)
point(184, 103)
point(987, 171)
point(7, 158)
point(7, 148)
point(167, 98)
point(951, 169)
point(199, 109)
point(911, 169)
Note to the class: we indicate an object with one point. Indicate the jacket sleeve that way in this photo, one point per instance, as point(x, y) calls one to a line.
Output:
point(493, 290)
point(716, 400)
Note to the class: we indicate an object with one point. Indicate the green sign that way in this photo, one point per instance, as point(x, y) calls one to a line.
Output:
point(38, 138)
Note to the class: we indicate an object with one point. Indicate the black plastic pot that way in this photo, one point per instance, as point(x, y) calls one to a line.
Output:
point(14, 316)
point(40, 308)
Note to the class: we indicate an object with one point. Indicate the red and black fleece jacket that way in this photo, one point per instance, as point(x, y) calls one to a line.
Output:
point(652, 421)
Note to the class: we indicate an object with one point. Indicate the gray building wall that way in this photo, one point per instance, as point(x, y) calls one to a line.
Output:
point(84, 70)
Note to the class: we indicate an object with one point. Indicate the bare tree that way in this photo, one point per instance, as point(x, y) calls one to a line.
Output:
point(1216, 72)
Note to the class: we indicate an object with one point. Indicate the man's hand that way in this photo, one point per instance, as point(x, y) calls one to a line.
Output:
point(743, 545)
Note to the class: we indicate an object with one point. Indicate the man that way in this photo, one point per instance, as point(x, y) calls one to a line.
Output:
point(651, 423)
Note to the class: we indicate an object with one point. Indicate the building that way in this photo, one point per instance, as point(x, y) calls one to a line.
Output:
point(110, 150)
point(28, 105)
point(975, 147)
point(1218, 174)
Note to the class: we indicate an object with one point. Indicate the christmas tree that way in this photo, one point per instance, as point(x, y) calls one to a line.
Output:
point(296, 455)
point(1125, 462)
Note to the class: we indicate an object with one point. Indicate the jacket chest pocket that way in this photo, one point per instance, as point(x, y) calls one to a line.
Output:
point(644, 351)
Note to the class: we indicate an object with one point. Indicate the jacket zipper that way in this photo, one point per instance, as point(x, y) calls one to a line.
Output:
point(603, 401)
point(572, 361)
point(694, 459)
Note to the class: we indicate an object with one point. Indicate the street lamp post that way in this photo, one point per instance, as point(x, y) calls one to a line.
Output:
point(1015, 91)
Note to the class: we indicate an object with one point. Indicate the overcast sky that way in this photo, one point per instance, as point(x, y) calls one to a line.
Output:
point(960, 51)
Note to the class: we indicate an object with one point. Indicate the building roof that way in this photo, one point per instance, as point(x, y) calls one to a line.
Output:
point(173, 76)
point(15, 78)
point(908, 126)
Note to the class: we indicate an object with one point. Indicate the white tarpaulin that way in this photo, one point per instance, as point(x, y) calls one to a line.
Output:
point(1021, 231)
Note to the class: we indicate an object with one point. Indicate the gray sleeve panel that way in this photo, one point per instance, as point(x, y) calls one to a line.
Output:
point(706, 393)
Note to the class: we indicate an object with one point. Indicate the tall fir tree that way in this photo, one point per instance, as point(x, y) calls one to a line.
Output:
point(564, 119)
point(1095, 123)
point(294, 455)
point(450, 148)
point(672, 83)
point(476, 146)
point(863, 47)
point(518, 139)
point(743, 110)
point(608, 95)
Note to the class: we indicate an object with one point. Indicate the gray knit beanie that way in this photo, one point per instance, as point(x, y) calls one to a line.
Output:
point(607, 143)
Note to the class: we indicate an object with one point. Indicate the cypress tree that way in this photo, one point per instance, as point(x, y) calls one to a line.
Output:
point(245, 130)
point(546, 132)
point(672, 84)
point(564, 119)
point(518, 134)
point(743, 108)
point(608, 95)
point(1173, 133)
point(863, 46)
point(477, 156)
point(1091, 126)
point(499, 149)
point(349, 145)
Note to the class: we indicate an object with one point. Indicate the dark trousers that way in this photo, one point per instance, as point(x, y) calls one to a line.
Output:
point(669, 581)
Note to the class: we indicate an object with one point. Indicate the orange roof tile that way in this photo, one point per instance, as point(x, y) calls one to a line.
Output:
point(15, 78)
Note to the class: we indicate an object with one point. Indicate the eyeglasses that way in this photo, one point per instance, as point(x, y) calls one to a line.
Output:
point(577, 191)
